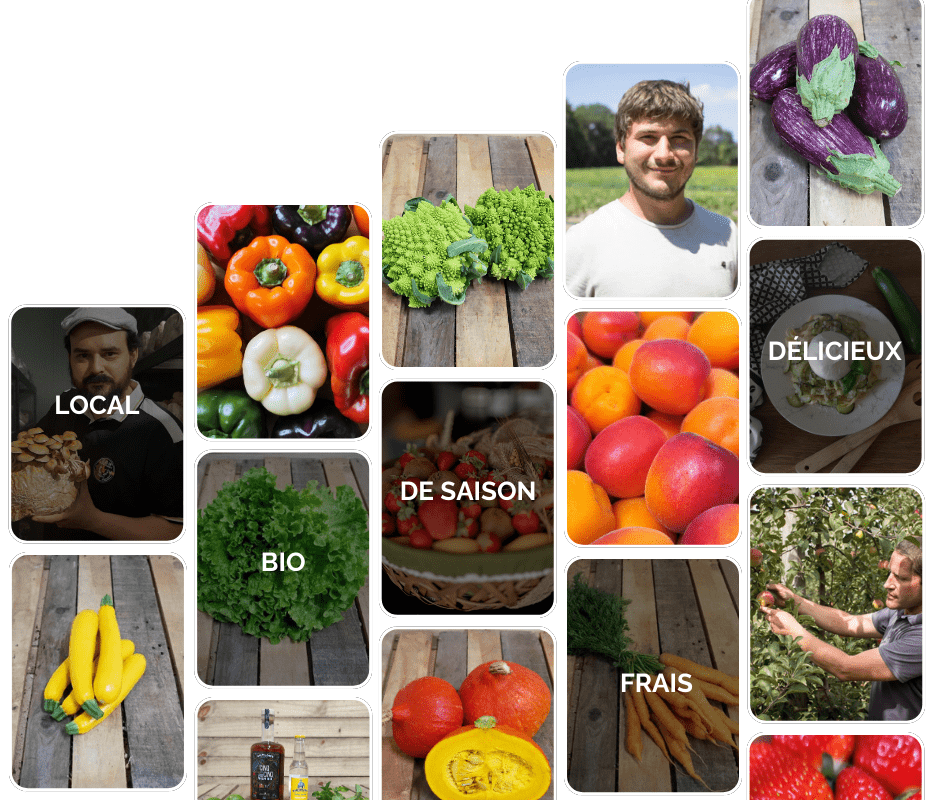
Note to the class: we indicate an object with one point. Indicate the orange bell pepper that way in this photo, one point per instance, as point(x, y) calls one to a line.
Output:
point(219, 345)
point(344, 272)
point(271, 281)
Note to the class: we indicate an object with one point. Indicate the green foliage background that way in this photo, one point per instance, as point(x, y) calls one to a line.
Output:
point(586, 190)
point(839, 536)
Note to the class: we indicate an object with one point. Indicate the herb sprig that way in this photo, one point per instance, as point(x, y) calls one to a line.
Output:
point(597, 623)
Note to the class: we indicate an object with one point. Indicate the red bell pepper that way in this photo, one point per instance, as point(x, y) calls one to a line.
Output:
point(348, 353)
point(222, 230)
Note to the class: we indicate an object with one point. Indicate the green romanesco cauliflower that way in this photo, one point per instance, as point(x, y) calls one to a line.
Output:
point(519, 228)
point(430, 251)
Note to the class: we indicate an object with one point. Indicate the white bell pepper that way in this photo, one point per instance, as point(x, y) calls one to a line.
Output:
point(283, 368)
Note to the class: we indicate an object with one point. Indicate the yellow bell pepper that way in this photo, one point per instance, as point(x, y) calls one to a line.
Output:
point(344, 272)
point(219, 344)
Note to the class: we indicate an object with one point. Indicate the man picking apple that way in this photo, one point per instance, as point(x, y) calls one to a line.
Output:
point(895, 665)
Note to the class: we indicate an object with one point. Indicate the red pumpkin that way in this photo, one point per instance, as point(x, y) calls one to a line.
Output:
point(512, 693)
point(424, 711)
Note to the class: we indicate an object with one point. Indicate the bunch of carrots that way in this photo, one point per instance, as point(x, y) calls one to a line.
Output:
point(669, 718)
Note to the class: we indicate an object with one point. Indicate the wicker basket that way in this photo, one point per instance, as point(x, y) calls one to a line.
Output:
point(473, 583)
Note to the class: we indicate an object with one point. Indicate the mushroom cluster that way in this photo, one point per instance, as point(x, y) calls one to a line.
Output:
point(45, 471)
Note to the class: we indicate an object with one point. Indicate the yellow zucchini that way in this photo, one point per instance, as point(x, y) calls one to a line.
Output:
point(69, 707)
point(133, 669)
point(81, 660)
point(55, 688)
point(109, 662)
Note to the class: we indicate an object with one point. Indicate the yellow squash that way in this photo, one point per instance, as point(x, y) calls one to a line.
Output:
point(133, 670)
point(81, 660)
point(110, 661)
point(69, 707)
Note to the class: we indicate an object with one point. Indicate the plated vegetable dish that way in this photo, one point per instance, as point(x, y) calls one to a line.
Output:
point(821, 371)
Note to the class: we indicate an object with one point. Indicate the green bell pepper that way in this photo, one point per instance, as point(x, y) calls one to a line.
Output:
point(229, 414)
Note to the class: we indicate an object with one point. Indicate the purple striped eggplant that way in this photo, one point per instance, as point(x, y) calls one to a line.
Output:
point(878, 105)
point(839, 148)
point(773, 73)
point(825, 51)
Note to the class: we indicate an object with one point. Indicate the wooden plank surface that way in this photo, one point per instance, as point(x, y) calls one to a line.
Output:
point(336, 655)
point(450, 655)
point(27, 577)
point(337, 743)
point(496, 326)
point(782, 190)
point(670, 610)
point(140, 744)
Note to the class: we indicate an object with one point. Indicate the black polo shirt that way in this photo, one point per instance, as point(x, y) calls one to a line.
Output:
point(135, 459)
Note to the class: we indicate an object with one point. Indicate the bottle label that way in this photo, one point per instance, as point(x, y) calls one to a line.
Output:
point(298, 788)
point(266, 776)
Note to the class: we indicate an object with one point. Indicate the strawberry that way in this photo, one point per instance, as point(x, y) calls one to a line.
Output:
point(407, 520)
point(420, 539)
point(526, 522)
point(855, 784)
point(445, 460)
point(471, 463)
point(812, 748)
point(778, 774)
point(895, 761)
point(507, 505)
point(489, 542)
point(392, 500)
point(405, 458)
point(467, 526)
point(440, 517)
point(472, 509)
point(389, 524)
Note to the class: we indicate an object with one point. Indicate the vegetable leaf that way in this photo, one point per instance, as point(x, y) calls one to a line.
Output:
point(250, 517)
point(597, 623)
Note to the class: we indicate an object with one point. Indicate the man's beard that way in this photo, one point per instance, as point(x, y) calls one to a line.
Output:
point(637, 182)
point(115, 389)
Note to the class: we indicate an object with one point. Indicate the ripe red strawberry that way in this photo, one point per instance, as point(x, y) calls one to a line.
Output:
point(811, 748)
point(778, 774)
point(445, 460)
point(895, 761)
point(420, 539)
point(465, 470)
point(472, 510)
point(467, 526)
point(478, 458)
point(407, 520)
point(440, 517)
point(526, 522)
point(855, 784)
point(489, 542)
point(507, 505)
point(389, 524)
point(405, 458)
point(392, 500)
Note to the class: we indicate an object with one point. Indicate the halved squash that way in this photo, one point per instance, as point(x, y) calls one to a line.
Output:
point(487, 761)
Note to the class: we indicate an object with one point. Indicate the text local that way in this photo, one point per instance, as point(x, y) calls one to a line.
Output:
point(80, 404)
point(482, 491)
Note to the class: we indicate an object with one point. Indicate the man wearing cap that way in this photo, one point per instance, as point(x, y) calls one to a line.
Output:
point(132, 444)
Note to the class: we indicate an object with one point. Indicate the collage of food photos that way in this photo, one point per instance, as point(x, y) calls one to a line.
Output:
point(257, 553)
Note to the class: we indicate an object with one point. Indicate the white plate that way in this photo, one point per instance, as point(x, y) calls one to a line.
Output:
point(826, 420)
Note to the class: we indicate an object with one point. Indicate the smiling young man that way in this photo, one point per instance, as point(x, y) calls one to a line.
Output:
point(653, 241)
point(895, 666)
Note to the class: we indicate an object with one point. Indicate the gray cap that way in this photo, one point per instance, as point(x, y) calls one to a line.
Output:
point(111, 316)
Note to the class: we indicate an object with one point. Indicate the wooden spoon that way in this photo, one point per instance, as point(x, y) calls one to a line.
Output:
point(913, 372)
point(908, 406)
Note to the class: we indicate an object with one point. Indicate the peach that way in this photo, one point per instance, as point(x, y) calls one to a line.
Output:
point(689, 475)
point(718, 525)
point(669, 375)
point(634, 535)
point(620, 455)
point(579, 437)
